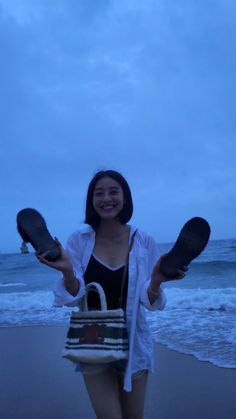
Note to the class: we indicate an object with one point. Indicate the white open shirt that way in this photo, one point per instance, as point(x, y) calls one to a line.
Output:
point(142, 258)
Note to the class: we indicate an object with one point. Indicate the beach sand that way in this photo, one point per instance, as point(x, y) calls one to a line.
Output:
point(37, 383)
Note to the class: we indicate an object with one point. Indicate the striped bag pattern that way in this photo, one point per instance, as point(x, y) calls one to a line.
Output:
point(97, 336)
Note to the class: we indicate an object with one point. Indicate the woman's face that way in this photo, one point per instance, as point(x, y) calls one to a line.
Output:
point(108, 198)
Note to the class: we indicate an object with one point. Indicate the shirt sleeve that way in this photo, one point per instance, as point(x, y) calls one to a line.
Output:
point(153, 256)
point(158, 304)
point(61, 295)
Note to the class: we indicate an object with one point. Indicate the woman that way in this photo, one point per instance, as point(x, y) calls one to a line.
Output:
point(99, 250)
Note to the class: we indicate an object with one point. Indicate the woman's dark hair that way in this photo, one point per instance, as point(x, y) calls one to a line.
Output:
point(91, 217)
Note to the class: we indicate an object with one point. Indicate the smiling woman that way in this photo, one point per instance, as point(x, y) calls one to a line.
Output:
point(108, 199)
point(108, 188)
point(125, 262)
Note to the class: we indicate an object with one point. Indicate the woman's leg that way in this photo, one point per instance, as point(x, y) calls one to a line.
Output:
point(104, 392)
point(132, 403)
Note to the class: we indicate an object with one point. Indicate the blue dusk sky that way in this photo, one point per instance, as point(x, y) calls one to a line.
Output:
point(147, 88)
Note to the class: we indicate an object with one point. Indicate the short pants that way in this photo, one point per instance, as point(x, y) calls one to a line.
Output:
point(116, 366)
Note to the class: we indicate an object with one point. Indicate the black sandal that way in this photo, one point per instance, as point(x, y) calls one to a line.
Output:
point(190, 243)
point(33, 229)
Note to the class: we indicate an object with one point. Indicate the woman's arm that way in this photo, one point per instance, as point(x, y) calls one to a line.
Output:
point(72, 284)
point(153, 296)
point(68, 289)
point(63, 265)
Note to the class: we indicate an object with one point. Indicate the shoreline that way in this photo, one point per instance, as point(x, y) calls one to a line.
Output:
point(37, 382)
point(63, 326)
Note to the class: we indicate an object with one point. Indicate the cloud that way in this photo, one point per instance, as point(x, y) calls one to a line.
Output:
point(146, 88)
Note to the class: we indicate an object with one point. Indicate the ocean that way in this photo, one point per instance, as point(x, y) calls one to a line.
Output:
point(199, 318)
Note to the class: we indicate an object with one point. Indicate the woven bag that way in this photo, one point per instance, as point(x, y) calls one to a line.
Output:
point(97, 336)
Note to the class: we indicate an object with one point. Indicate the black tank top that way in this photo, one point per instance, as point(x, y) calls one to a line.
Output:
point(110, 280)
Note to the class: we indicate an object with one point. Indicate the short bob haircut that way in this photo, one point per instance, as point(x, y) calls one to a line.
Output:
point(91, 217)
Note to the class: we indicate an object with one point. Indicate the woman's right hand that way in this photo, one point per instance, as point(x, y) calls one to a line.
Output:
point(63, 264)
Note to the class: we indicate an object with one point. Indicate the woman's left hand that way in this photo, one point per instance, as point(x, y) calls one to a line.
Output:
point(157, 277)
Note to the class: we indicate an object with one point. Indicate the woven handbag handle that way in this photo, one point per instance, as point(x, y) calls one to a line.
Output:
point(125, 270)
point(94, 286)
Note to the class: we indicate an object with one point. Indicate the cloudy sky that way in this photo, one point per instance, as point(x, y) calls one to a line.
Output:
point(147, 88)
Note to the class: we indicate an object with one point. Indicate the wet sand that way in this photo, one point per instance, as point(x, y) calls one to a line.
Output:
point(37, 383)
